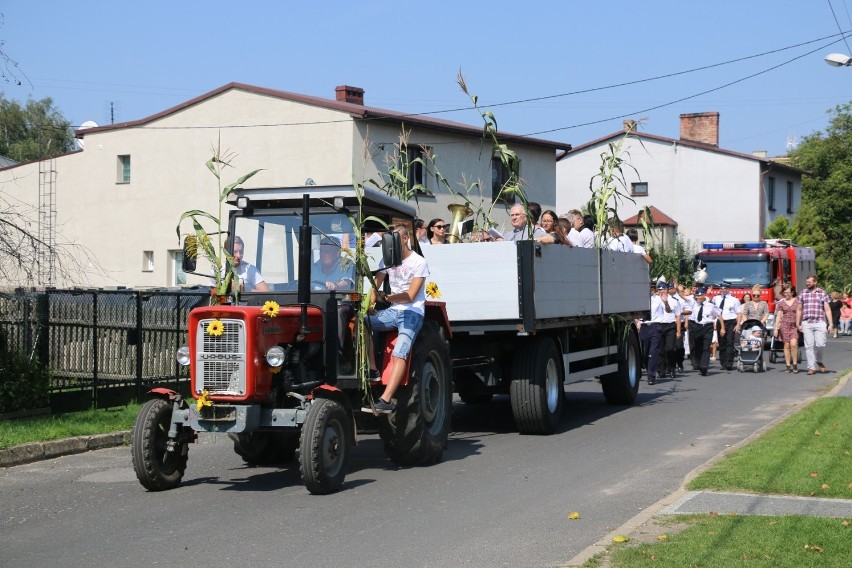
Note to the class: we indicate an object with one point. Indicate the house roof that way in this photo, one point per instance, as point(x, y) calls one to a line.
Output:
point(774, 163)
point(6, 162)
point(356, 111)
point(660, 219)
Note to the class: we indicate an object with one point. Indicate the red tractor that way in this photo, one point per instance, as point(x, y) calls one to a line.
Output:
point(285, 384)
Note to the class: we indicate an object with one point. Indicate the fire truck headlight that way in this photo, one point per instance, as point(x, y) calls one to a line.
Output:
point(275, 356)
point(182, 355)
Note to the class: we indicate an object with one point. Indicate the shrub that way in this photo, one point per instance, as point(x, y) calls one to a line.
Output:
point(24, 383)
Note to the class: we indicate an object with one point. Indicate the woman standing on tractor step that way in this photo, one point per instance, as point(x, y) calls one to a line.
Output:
point(405, 314)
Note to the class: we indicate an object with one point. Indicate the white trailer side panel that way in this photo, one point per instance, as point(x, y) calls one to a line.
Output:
point(566, 282)
point(478, 281)
point(484, 281)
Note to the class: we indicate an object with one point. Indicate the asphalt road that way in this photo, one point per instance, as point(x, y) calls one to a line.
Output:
point(497, 499)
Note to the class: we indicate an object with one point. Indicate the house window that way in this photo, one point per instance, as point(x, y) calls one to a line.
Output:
point(123, 175)
point(789, 197)
point(639, 188)
point(770, 193)
point(501, 174)
point(417, 172)
point(147, 261)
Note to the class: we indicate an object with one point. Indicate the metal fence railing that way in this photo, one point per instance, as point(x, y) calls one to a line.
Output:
point(103, 347)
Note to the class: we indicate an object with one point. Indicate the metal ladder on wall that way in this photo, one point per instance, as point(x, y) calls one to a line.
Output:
point(46, 253)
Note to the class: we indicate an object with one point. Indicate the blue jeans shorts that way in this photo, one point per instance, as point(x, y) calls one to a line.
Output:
point(407, 323)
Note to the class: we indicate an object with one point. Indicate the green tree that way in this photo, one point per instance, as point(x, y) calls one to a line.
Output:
point(33, 131)
point(780, 228)
point(673, 261)
point(823, 219)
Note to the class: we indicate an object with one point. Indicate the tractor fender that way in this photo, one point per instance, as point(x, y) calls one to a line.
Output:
point(337, 395)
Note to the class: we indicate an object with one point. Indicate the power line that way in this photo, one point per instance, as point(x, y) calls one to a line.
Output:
point(402, 116)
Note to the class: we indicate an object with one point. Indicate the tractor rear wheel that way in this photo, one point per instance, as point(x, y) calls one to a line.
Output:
point(324, 447)
point(156, 468)
point(416, 432)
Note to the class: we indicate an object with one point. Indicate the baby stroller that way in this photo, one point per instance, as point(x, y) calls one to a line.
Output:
point(750, 347)
point(776, 349)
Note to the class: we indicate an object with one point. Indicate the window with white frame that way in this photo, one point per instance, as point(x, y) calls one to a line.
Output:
point(123, 173)
point(147, 261)
point(177, 277)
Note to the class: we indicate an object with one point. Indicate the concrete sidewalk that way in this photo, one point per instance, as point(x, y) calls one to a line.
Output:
point(702, 502)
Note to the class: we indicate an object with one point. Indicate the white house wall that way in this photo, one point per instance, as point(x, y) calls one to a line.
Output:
point(290, 141)
point(711, 195)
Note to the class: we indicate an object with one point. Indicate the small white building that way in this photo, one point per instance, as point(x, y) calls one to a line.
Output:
point(121, 195)
point(706, 193)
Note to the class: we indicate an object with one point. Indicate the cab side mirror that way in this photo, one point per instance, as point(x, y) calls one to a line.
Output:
point(190, 254)
point(392, 249)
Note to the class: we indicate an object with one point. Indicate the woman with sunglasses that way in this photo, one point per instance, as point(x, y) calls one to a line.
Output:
point(436, 232)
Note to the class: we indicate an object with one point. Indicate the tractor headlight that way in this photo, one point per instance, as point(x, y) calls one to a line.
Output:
point(275, 356)
point(182, 355)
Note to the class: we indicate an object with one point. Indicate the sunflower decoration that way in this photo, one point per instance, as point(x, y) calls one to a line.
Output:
point(215, 328)
point(432, 290)
point(271, 308)
point(203, 401)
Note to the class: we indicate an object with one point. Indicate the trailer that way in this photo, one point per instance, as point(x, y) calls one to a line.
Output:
point(528, 319)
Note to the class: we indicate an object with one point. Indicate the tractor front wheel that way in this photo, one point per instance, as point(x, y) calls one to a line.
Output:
point(156, 467)
point(324, 447)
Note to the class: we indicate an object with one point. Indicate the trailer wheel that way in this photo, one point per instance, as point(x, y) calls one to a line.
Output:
point(622, 386)
point(536, 390)
point(416, 432)
point(156, 468)
point(324, 447)
point(262, 448)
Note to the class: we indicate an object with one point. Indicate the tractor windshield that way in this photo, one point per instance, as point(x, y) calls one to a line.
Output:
point(271, 244)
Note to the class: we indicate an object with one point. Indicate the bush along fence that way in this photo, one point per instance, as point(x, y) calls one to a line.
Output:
point(94, 348)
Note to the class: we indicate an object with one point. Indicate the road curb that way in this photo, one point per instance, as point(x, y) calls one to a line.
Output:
point(638, 520)
point(37, 451)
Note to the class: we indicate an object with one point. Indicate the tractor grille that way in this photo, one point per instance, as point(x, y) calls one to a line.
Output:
point(221, 360)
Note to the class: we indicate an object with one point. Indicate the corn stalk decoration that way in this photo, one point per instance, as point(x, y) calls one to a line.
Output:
point(609, 189)
point(200, 241)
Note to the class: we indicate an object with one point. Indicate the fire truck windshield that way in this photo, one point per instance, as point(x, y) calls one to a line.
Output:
point(737, 273)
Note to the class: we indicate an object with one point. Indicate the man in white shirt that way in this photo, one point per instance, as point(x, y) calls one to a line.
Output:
point(579, 235)
point(619, 240)
point(250, 278)
point(670, 330)
point(730, 308)
point(633, 235)
point(704, 314)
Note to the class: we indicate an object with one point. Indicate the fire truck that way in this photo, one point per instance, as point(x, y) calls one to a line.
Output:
point(767, 263)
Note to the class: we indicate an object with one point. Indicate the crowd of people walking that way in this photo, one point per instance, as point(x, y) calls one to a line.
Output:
point(685, 324)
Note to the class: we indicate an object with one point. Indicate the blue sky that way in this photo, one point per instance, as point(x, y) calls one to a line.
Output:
point(144, 57)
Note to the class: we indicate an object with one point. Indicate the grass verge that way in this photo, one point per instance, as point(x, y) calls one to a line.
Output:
point(809, 454)
point(87, 423)
point(777, 542)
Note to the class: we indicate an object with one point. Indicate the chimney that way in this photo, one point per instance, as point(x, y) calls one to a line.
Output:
point(759, 153)
point(347, 94)
point(700, 127)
